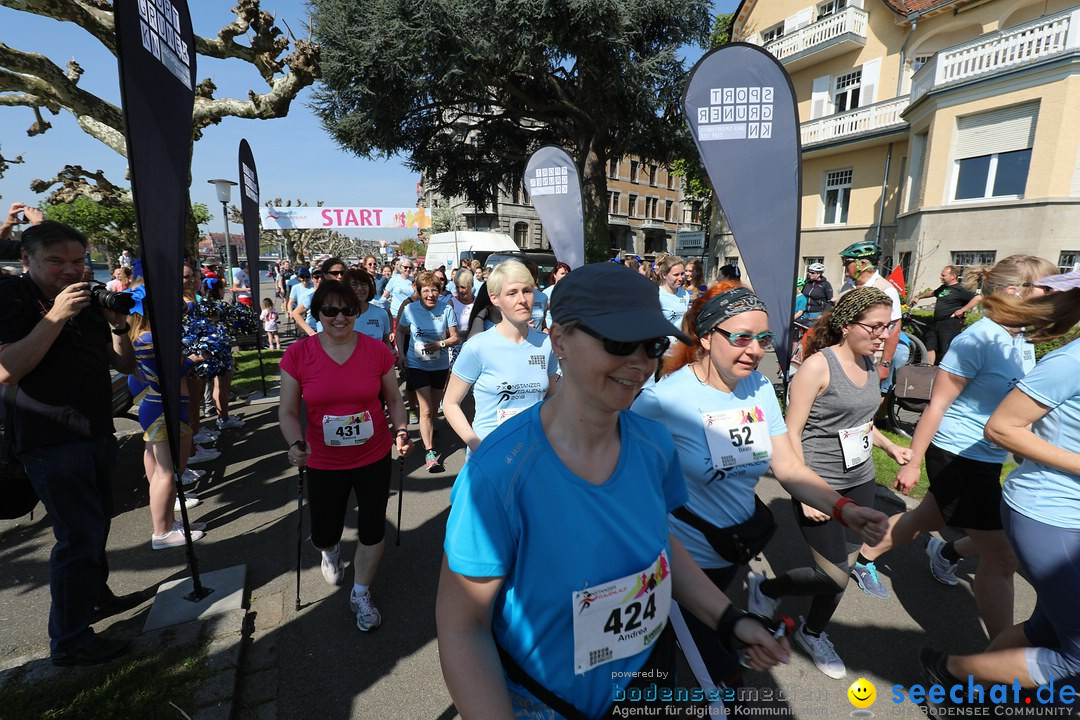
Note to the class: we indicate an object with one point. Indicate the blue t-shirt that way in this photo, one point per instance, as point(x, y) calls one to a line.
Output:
point(720, 486)
point(674, 306)
point(302, 296)
point(993, 362)
point(373, 322)
point(507, 377)
point(400, 290)
point(427, 326)
point(517, 512)
point(1044, 493)
point(539, 309)
point(800, 302)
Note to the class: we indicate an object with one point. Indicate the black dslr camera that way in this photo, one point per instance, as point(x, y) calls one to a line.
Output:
point(106, 299)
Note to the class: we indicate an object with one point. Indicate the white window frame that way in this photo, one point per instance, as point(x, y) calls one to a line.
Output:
point(809, 260)
point(829, 7)
point(631, 205)
point(1068, 260)
point(919, 60)
point(635, 169)
point(852, 82)
point(838, 180)
point(774, 33)
point(991, 178)
point(964, 259)
point(613, 202)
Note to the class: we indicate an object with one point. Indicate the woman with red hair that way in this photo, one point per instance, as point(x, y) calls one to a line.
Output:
point(729, 431)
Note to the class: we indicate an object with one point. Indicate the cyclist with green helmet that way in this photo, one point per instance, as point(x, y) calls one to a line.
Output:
point(860, 265)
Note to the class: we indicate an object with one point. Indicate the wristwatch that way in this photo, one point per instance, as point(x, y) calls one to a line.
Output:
point(886, 363)
point(442, 343)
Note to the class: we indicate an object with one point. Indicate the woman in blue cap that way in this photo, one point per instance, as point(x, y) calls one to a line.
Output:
point(529, 625)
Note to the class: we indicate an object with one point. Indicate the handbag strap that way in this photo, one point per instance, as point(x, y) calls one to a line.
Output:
point(516, 673)
point(694, 520)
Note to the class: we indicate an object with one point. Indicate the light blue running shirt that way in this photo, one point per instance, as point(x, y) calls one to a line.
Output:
point(400, 290)
point(373, 322)
point(719, 482)
point(1038, 491)
point(427, 326)
point(674, 306)
point(993, 362)
point(539, 309)
point(507, 377)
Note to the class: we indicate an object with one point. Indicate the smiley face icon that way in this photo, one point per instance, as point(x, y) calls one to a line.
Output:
point(862, 693)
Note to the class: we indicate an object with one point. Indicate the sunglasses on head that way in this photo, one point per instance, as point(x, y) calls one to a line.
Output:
point(654, 347)
point(331, 311)
point(743, 339)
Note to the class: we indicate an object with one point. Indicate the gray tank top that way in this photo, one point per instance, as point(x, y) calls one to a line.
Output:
point(836, 427)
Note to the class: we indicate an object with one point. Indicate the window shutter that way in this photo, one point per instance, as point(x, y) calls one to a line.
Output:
point(820, 103)
point(998, 131)
point(871, 72)
point(799, 20)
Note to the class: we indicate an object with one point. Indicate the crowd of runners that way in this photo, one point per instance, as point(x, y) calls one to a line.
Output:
point(617, 430)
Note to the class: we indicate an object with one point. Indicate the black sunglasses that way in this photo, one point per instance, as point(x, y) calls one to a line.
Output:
point(331, 311)
point(335, 273)
point(654, 347)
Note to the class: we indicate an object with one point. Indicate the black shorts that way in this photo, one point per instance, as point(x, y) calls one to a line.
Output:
point(941, 333)
point(328, 499)
point(416, 379)
point(967, 491)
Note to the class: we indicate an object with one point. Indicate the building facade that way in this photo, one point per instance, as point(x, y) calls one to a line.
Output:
point(646, 210)
point(940, 129)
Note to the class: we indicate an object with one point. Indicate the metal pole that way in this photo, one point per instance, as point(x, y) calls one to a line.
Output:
point(228, 250)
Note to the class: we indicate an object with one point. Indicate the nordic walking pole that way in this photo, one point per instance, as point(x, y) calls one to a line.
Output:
point(400, 495)
point(302, 471)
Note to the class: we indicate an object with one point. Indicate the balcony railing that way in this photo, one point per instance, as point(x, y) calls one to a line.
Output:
point(849, 21)
point(880, 116)
point(999, 52)
point(618, 219)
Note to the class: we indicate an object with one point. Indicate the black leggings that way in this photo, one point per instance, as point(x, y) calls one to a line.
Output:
point(828, 578)
point(328, 499)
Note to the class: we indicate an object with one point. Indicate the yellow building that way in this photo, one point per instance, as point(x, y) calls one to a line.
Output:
point(948, 131)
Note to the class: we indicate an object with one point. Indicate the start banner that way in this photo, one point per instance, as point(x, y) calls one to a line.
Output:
point(340, 218)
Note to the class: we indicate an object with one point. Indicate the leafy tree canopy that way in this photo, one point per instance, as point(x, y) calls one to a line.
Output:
point(467, 89)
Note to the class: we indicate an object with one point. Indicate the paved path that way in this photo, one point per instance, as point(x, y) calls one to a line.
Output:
point(314, 663)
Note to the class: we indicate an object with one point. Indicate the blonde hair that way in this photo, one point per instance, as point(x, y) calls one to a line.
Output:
point(509, 271)
point(1043, 318)
point(465, 273)
point(1015, 270)
point(664, 263)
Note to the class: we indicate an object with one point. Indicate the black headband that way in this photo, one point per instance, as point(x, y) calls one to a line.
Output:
point(727, 304)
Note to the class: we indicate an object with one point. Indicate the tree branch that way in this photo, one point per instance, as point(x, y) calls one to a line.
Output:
point(74, 182)
point(94, 16)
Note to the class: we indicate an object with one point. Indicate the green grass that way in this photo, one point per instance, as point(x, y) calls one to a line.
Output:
point(140, 688)
point(246, 378)
point(886, 468)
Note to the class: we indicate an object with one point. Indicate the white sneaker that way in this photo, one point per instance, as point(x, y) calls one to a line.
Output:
point(190, 500)
point(942, 570)
point(190, 477)
point(333, 571)
point(230, 423)
point(757, 601)
point(821, 651)
point(206, 436)
point(203, 455)
point(173, 538)
point(367, 617)
point(178, 525)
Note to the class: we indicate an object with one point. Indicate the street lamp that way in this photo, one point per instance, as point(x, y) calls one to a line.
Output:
point(224, 193)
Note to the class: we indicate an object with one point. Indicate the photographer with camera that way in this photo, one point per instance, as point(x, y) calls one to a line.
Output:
point(56, 345)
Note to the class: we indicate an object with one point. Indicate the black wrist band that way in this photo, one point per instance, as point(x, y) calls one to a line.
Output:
point(121, 330)
point(725, 626)
point(298, 443)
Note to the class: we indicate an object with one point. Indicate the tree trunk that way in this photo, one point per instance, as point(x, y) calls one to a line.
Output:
point(593, 170)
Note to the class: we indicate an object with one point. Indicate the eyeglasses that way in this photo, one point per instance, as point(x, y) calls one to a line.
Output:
point(331, 311)
point(878, 330)
point(405, 267)
point(335, 273)
point(743, 339)
point(654, 347)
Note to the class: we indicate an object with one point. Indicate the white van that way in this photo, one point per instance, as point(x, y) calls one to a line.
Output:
point(453, 248)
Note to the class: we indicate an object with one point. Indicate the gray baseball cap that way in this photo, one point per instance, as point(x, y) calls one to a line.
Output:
point(614, 302)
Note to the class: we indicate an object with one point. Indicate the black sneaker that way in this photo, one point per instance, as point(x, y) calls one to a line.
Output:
point(934, 669)
point(95, 652)
point(116, 604)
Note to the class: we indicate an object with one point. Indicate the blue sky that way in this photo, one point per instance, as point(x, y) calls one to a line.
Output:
point(295, 157)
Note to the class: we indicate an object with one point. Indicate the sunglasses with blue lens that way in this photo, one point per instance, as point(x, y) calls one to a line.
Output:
point(654, 347)
point(743, 339)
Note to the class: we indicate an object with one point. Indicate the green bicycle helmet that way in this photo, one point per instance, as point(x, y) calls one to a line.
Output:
point(862, 250)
